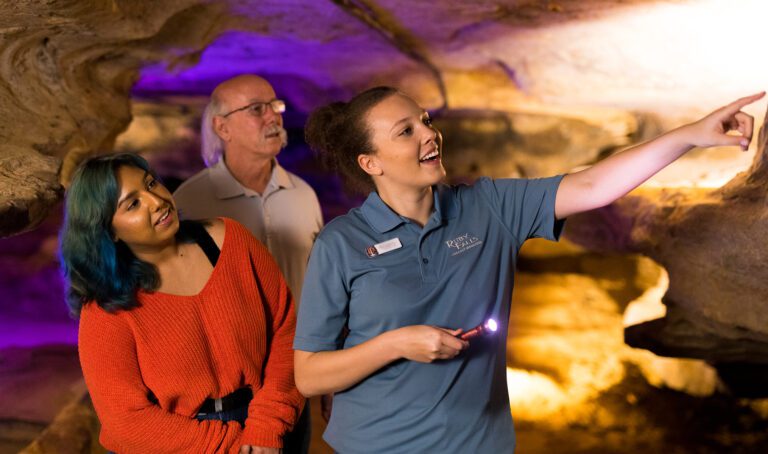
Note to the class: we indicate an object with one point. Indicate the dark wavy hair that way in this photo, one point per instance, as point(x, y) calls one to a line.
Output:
point(96, 267)
point(338, 133)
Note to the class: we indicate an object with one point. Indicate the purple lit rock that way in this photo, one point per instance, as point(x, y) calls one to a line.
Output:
point(70, 67)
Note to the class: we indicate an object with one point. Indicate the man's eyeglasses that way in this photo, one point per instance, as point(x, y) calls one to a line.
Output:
point(259, 108)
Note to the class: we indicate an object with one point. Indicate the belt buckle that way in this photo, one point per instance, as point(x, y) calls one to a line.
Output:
point(217, 405)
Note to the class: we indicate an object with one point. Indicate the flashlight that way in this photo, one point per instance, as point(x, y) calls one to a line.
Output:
point(484, 329)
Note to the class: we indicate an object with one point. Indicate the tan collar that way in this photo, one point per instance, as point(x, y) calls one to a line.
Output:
point(225, 185)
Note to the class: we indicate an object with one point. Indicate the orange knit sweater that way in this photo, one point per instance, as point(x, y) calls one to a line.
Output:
point(184, 349)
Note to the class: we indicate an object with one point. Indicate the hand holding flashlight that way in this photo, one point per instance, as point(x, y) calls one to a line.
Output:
point(426, 343)
point(482, 330)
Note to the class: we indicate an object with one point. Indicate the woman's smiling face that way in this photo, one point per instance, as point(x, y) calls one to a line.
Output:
point(145, 217)
point(407, 147)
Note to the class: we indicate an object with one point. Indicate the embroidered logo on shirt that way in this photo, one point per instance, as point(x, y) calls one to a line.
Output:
point(463, 243)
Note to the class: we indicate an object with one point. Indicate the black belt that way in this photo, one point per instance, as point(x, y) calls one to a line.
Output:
point(237, 399)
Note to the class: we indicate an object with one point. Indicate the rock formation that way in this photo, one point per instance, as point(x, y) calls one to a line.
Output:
point(519, 88)
point(69, 68)
point(711, 242)
point(66, 70)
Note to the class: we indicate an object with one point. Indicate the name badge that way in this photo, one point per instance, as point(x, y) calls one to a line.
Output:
point(383, 248)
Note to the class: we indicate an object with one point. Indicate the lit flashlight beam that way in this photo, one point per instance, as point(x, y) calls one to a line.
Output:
point(487, 328)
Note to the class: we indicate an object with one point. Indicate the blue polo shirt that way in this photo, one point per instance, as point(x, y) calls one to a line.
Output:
point(455, 272)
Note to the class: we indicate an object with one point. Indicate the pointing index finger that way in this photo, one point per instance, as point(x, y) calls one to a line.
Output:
point(736, 106)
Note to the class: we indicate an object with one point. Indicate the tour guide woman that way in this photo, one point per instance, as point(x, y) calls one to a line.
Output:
point(185, 329)
point(419, 261)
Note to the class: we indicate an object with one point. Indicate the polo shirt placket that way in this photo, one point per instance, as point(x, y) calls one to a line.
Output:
point(428, 249)
point(263, 206)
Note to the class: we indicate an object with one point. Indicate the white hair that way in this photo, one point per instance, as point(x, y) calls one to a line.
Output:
point(211, 145)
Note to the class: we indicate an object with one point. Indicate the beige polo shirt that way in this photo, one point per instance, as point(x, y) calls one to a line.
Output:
point(286, 218)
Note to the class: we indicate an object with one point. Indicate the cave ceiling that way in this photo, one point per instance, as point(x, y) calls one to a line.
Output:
point(68, 69)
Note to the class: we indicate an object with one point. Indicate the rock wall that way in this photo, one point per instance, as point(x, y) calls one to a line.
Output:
point(66, 71)
point(67, 68)
point(711, 244)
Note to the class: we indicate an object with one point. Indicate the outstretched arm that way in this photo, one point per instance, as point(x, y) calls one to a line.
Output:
point(615, 176)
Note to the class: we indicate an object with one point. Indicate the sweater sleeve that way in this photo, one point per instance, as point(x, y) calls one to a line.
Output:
point(131, 423)
point(276, 406)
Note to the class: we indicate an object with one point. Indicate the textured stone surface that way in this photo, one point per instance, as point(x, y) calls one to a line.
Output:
point(711, 244)
point(499, 144)
point(29, 188)
point(35, 384)
point(575, 387)
point(74, 431)
point(521, 88)
point(67, 68)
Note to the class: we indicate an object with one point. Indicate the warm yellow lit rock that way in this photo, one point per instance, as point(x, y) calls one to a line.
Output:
point(566, 346)
point(535, 396)
point(709, 243)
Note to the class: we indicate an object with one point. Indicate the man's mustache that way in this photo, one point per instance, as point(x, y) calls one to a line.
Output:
point(276, 129)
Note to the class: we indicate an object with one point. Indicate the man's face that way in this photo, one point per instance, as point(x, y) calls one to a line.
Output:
point(256, 131)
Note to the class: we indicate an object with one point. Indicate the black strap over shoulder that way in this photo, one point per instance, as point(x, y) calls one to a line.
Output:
point(200, 235)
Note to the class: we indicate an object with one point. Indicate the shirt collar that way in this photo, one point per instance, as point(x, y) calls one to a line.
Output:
point(226, 186)
point(379, 215)
point(383, 219)
point(445, 201)
point(280, 177)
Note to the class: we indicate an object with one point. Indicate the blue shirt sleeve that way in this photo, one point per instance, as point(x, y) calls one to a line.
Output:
point(324, 307)
point(526, 207)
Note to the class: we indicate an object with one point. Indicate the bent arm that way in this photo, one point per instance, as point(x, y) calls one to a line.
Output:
point(331, 371)
point(321, 365)
point(277, 404)
point(617, 175)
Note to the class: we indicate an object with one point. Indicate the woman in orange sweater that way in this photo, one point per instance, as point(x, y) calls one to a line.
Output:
point(185, 328)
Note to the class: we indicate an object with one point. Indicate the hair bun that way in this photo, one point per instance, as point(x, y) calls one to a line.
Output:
point(338, 133)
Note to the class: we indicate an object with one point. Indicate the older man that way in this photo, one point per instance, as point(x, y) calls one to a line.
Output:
point(242, 133)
